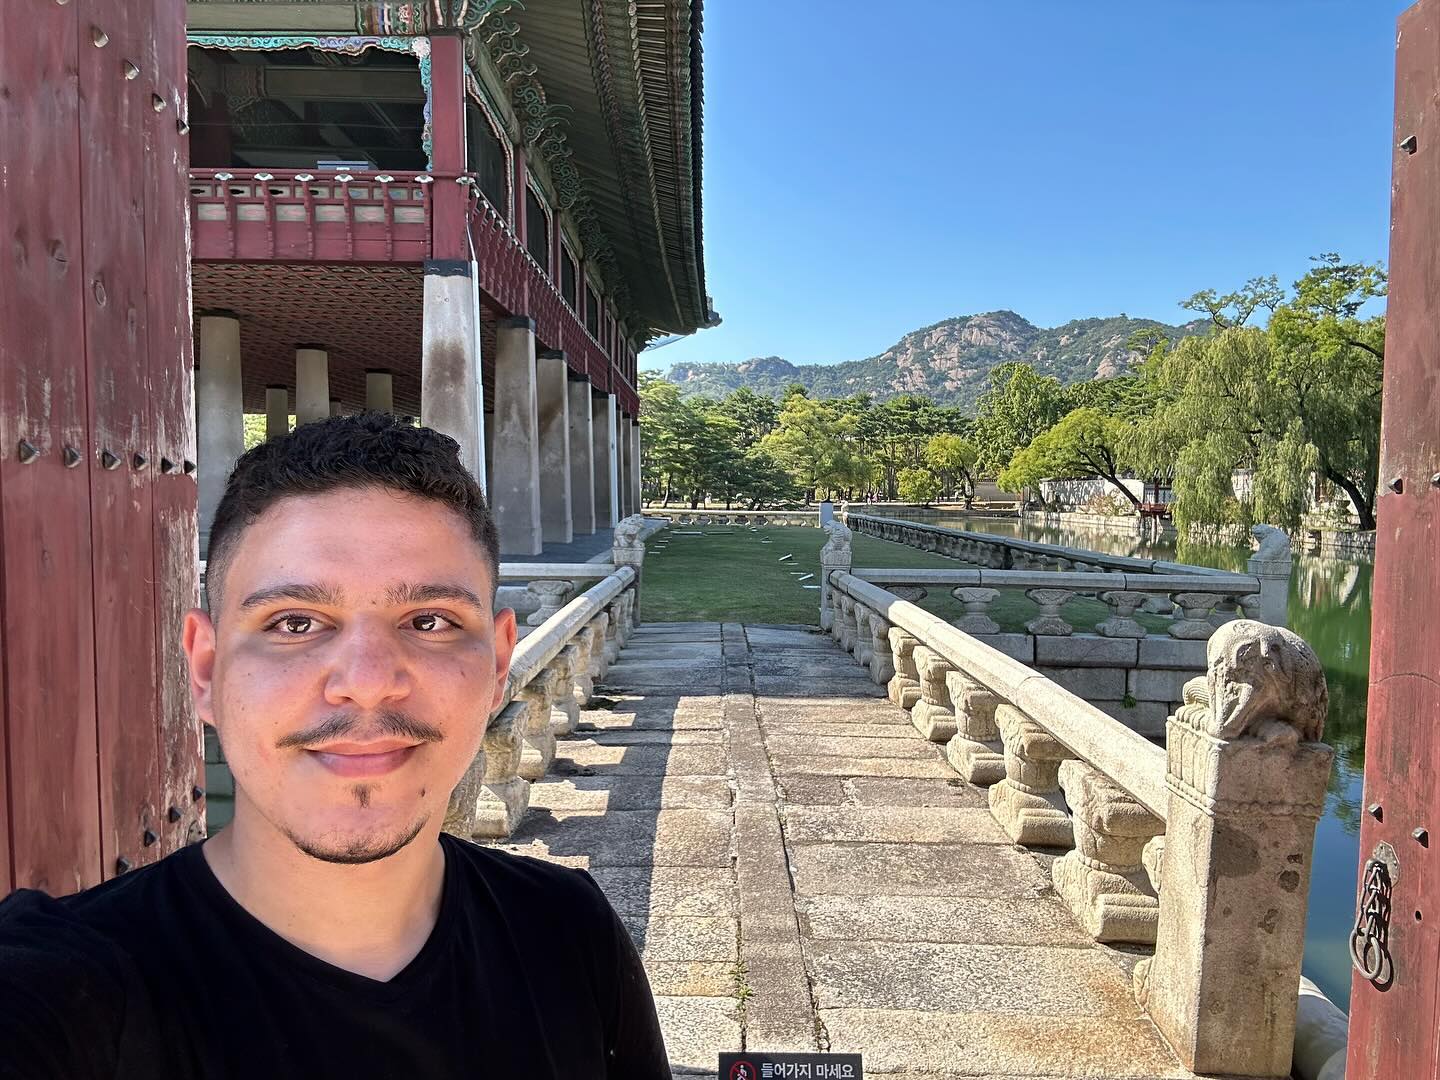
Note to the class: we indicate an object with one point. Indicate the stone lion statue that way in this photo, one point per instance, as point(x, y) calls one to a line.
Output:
point(1274, 543)
point(1266, 682)
point(837, 547)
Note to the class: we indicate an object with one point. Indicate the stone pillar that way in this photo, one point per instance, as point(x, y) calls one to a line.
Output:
point(538, 750)
point(933, 715)
point(1246, 775)
point(489, 461)
point(582, 456)
point(379, 390)
point(602, 413)
point(835, 555)
point(1271, 564)
point(975, 750)
point(312, 384)
point(553, 407)
point(882, 664)
point(1027, 803)
point(506, 794)
point(277, 411)
point(451, 394)
point(1103, 879)
point(564, 709)
point(219, 413)
point(628, 549)
point(637, 500)
point(515, 498)
point(904, 688)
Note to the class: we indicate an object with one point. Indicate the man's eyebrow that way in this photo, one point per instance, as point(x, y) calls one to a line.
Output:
point(415, 593)
point(300, 592)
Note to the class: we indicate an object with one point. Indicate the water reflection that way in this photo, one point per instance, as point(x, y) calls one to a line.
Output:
point(1329, 608)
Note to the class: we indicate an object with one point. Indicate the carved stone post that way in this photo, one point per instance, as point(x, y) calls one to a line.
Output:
point(845, 622)
point(553, 595)
point(537, 748)
point(975, 751)
point(613, 626)
point(584, 642)
point(599, 659)
point(629, 550)
point(1271, 563)
point(933, 715)
point(506, 794)
point(904, 688)
point(835, 555)
point(1103, 879)
point(1195, 624)
point(1027, 802)
point(977, 603)
point(465, 800)
point(1246, 777)
point(1049, 623)
point(864, 646)
point(565, 708)
point(882, 664)
point(1122, 622)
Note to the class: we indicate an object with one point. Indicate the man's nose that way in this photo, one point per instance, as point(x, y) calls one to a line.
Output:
point(368, 667)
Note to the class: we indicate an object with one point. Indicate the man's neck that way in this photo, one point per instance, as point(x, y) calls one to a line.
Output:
point(371, 919)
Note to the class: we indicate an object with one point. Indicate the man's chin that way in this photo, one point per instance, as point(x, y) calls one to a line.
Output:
point(352, 847)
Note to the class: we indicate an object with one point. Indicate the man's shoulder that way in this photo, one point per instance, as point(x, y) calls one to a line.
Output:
point(519, 882)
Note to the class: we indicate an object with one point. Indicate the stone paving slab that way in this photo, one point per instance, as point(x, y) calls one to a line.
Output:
point(902, 824)
point(668, 890)
point(628, 837)
point(986, 920)
point(986, 1045)
point(902, 869)
point(801, 869)
point(600, 793)
point(969, 977)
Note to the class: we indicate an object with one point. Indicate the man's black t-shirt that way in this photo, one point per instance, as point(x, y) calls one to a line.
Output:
point(528, 975)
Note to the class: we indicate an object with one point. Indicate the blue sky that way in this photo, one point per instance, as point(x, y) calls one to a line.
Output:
point(871, 168)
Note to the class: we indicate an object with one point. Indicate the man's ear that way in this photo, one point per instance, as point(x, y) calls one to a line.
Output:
point(199, 644)
point(506, 633)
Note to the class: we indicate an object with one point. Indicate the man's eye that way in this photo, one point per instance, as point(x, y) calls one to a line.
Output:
point(293, 626)
point(429, 622)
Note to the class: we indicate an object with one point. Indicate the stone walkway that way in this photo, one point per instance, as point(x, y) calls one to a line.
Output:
point(801, 870)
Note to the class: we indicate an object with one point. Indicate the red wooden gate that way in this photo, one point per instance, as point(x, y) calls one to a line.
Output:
point(97, 494)
point(1393, 1016)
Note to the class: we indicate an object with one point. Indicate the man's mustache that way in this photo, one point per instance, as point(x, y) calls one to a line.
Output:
point(387, 723)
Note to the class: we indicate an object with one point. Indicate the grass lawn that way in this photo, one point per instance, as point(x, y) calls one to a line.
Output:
point(729, 575)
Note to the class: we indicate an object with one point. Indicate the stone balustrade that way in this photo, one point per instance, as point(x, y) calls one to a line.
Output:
point(757, 518)
point(1233, 796)
point(552, 674)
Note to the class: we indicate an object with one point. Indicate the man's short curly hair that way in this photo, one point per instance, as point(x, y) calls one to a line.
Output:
point(369, 450)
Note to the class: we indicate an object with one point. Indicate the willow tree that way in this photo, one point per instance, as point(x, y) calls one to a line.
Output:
point(1086, 444)
point(1299, 398)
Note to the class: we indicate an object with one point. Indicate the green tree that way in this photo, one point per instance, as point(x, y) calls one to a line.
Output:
point(754, 414)
point(810, 441)
point(1299, 397)
point(1086, 444)
point(953, 457)
point(1017, 405)
point(918, 485)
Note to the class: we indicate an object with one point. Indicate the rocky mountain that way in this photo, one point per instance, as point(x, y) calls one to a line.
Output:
point(948, 362)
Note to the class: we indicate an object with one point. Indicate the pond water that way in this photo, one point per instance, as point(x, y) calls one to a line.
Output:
point(1329, 608)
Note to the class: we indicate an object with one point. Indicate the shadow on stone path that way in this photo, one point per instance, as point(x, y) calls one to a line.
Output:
point(802, 870)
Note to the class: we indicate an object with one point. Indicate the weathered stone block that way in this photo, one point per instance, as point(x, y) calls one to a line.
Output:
point(933, 715)
point(1172, 653)
point(1016, 646)
point(1157, 684)
point(1090, 683)
point(1086, 650)
point(1027, 802)
point(903, 689)
point(1143, 717)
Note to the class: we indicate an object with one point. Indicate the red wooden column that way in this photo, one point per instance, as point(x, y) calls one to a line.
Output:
point(96, 540)
point(1393, 1017)
point(447, 134)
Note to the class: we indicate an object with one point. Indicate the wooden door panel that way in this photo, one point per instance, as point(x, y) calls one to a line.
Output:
point(1392, 1028)
point(45, 504)
point(172, 381)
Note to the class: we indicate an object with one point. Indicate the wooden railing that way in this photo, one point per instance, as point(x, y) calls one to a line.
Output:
point(295, 214)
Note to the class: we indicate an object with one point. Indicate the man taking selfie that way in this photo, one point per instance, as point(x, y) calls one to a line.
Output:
point(349, 661)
